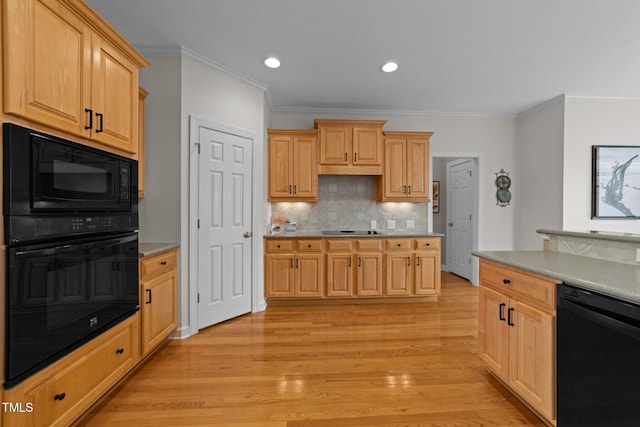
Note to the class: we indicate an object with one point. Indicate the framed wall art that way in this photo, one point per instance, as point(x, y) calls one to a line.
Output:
point(616, 182)
point(436, 197)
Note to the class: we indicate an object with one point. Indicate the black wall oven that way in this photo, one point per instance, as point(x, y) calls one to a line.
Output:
point(70, 220)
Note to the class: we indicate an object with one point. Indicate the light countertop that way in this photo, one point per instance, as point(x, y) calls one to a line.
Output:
point(148, 249)
point(615, 279)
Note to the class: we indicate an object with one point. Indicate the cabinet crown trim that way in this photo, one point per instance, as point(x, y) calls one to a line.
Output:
point(349, 123)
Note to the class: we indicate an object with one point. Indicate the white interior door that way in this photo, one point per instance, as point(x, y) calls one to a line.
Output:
point(460, 176)
point(224, 234)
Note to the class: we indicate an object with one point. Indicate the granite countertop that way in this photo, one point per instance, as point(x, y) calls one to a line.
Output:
point(147, 249)
point(318, 234)
point(615, 279)
point(597, 235)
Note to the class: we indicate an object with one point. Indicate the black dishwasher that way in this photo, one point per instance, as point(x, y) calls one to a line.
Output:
point(598, 359)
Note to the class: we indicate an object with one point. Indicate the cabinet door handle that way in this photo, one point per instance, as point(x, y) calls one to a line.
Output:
point(418, 261)
point(100, 117)
point(60, 396)
point(506, 281)
point(290, 262)
point(90, 111)
point(409, 261)
point(120, 351)
point(509, 322)
point(349, 261)
point(295, 189)
point(148, 291)
point(501, 311)
point(163, 263)
point(355, 157)
point(296, 262)
point(409, 187)
point(359, 262)
point(404, 189)
point(290, 189)
point(345, 157)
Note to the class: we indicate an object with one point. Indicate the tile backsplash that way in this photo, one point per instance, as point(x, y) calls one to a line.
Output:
point(349, 203)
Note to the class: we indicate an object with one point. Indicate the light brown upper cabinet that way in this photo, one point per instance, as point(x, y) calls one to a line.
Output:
point(293, 165)
point(142, 95)
point(406, 167)
point(350, 147)
point(67, 69)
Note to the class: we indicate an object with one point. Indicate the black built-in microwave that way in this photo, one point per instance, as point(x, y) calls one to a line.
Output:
point(56, 187)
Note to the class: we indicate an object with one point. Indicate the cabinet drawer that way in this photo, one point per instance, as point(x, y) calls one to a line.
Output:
point(62, 391)
point(335, 245)
point(399, 244)
point(369, 245)
point(524, 285)
point(275, 246)
point(157, 264)
point(428, 243)
point(309, 245)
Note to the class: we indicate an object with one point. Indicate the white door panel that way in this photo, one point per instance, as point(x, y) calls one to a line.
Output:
point(224, 264)
point(460, 187)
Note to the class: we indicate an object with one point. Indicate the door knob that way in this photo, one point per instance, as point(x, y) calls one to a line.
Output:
point(247, 234)
point(450, 224)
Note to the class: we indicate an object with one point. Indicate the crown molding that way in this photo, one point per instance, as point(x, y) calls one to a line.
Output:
point(354, 111)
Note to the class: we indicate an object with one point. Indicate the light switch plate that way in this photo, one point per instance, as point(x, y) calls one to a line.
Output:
point(637, 254)
point(391, 224)
point(374, 224)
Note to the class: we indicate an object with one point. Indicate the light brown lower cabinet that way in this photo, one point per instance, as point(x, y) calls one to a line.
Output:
point(335, 268)
point(294, 268)
point(64, 390)
point(158, 299)
point(516, 333)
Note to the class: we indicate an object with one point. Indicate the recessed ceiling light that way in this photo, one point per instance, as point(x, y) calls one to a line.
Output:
point(389, 67)
point(272, 62)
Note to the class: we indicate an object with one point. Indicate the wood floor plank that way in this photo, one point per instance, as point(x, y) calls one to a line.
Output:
point(340, 366)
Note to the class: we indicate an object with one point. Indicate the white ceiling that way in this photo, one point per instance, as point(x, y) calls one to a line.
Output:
point(459, 57)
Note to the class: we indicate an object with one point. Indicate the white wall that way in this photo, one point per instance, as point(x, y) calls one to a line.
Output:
point(538, 204)
point(495, 139)
point(181, 86)
point(160, 210)
point(589, 122)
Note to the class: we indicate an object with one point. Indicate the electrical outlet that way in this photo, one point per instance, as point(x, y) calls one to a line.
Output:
point(373, 224)
point(411, 224)
point(332, 216)
point(391, 224)
point(333, 188)
point(637, 254)
point(360, 216)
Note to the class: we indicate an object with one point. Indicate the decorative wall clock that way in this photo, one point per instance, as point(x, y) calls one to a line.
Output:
point(503, 182)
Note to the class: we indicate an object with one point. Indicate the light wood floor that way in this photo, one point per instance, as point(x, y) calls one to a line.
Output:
point(353, 365)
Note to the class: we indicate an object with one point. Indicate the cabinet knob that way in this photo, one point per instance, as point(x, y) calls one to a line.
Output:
point(120, 351)
point(163, 263)
point(506, 281)
point(399, 245)
point(60, 396)
point(278, 246)
point(309, 246)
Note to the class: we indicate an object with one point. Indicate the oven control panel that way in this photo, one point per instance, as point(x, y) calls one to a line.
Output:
point(29, 228)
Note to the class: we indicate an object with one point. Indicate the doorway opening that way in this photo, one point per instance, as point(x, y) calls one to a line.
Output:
point(458, 216)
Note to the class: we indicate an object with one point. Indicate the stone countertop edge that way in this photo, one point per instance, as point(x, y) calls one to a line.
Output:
point(148, 249)
point(318, 234)
point(610, 278)
point(596, 235)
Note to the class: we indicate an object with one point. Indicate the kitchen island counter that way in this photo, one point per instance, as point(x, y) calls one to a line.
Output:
point(619, 280)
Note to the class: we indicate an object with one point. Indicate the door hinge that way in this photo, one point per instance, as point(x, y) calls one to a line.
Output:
point(469, 217)
point(198, 145)
point(198, 297)
point(470, 173)
point(198, 222)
